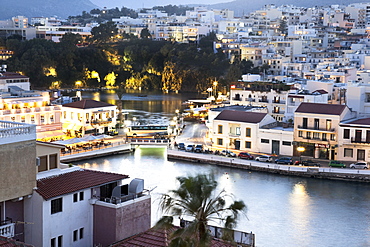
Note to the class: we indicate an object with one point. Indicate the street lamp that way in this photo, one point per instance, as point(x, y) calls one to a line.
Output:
point(300, 150)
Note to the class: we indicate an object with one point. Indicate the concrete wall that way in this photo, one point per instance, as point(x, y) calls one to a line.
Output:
point(33, 213)
point(17, 169)
point(115, 222)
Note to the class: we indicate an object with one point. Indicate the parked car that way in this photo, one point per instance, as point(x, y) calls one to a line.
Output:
point(112, 132)
point(284, 160)
point(245, 155)
point(308, 163)
point(359, 165)
point(199, 148)
point(228, 153)
point(264, 158)
point(335, 163)
point(181, 146)
point(189, 148)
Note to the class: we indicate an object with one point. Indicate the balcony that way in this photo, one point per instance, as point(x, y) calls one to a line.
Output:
point(359, 141)
point(234, 135)
point(263, 100)
point(318, 129)
point(250, 99)
point(7, 230)
point(102, 121)
point(237, 98)
point(282, 102)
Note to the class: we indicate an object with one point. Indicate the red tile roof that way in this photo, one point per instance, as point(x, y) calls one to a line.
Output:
point(70, 182)
point(8, 242)
point(87, 104)
point(241, 116)
point(316, 108)
point(155, 237)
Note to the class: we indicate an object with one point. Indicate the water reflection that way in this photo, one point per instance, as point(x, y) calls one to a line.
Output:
point(300, 212)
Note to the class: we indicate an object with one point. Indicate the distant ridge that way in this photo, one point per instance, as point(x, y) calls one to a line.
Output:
point(46, 8)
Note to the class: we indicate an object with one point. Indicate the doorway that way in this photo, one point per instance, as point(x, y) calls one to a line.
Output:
point(275, 149)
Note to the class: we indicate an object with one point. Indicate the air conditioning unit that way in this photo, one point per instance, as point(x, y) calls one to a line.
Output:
point(37, 161)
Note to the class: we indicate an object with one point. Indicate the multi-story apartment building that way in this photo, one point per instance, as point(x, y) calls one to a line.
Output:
point(88, 115)
point(354, 140)
point(239, 130)
point(17, 175)
point(18, 25)
point(316, 128)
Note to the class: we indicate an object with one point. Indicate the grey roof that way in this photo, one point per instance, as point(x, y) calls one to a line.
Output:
point(240, 116)
point(317, 108)
point(87, 104)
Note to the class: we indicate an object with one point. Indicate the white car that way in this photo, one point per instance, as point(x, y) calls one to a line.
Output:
point(264, 158)
point(359, 165)
point(228, 153)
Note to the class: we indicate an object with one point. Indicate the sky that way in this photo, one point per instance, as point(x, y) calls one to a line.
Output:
point(150, 3)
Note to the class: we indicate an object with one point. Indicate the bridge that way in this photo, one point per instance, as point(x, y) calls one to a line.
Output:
point(149, 141)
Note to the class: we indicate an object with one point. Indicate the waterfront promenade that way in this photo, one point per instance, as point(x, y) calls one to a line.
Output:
point(118, 147)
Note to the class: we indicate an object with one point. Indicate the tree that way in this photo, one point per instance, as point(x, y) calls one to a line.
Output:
point(104, 32)
point(145, 34)
point(196, 197)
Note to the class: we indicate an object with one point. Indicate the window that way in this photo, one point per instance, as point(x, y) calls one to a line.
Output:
point(346, 134)
point(56, 205)
point(52, 242)
point(332, 137)
point(287, 143)
point(304, 123)
point(75, 197)
point(316, 135)
point(328, 124)
point(53, 161)
point(219, 141)
point(43, 163)
point(237, 131)
point(60, 240)
point(248, 132)
point(248, 145)
point(75, 235)
point(308, 135)
point(81, 196)
point(219, 129)
point(316, 123)
point(81, 233)
point(324, 136)
point(265, 141)
point(348, 152)
point(300, 133)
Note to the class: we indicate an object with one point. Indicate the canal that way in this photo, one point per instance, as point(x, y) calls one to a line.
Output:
point(282, 211)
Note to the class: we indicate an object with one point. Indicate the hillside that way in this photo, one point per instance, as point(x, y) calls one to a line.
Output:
point(38, 8)
point(241, 7)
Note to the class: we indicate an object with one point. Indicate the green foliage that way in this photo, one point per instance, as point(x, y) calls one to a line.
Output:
point(196, 197)
point(104, 32)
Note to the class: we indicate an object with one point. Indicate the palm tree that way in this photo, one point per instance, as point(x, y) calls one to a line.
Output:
point(196, 197)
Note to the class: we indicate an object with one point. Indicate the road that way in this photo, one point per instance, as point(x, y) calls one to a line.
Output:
point(194, 133)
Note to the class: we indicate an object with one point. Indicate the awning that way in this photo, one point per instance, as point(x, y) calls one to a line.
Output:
point(46, 134)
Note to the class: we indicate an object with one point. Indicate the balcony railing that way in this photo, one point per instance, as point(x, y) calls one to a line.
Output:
point(314, 128)
point(234, 135)
point(237, 98)
point(7, 230)
point(250, 99)
point(263, 100)
point(359, 140)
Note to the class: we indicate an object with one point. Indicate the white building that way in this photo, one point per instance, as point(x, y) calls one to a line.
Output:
point(88, 115)
point(240, 130)
point(354, 140)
